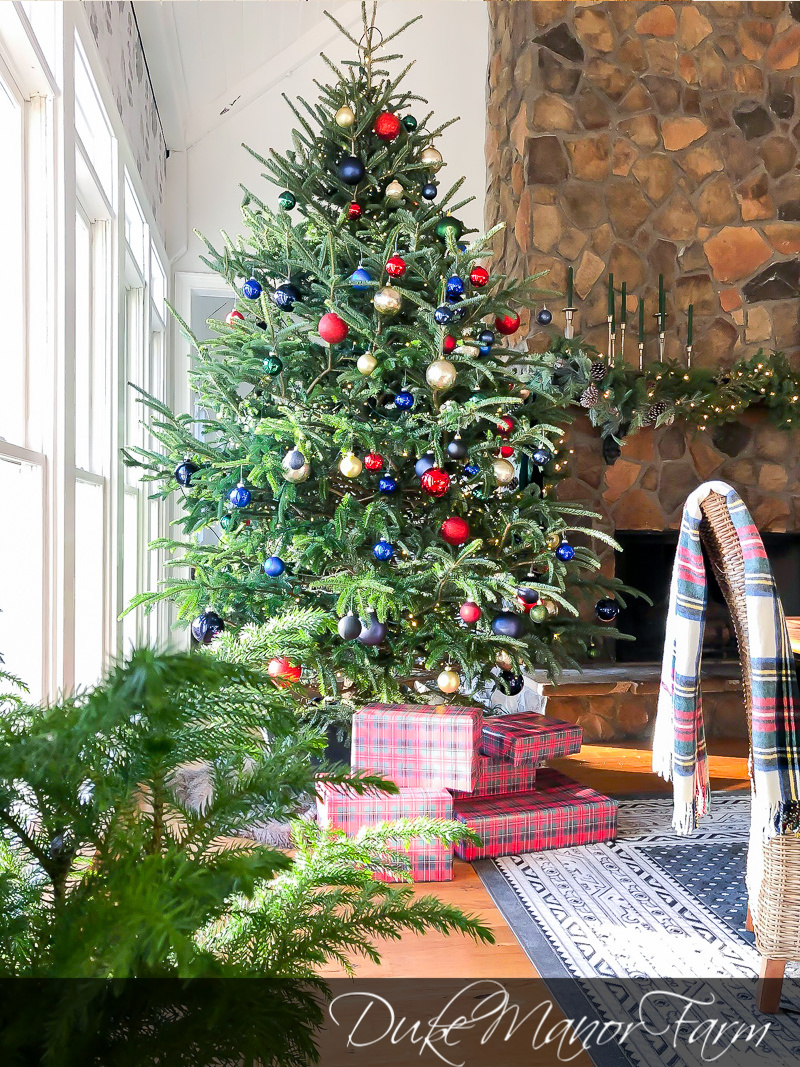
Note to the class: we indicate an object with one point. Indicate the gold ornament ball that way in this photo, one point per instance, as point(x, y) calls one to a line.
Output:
point(350, 465)
point(448, 681)
point(431, 157)
point(504, 661)
point(387, 301)
point(553, 540)
point(441, 374)
point(503, 471)
point(366, 364)
point(394, 191)
point(299, 475)
point(345, 117)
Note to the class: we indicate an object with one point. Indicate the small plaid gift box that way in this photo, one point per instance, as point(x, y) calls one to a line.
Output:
point(500, 776)
point(529, 738)
point(340, 808)
point(426, 747)
point(559, 813)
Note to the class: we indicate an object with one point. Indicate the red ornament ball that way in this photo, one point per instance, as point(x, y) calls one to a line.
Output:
point(354, 211)
point(283, 672)
point(506, 323)
point(479, 276)
point(387, 126)
point(469, 611)
point(448, 344)
point(396, 267)
point(373, 462)
point(332, 329)
point(455, 530)
point(435, 481)
point(506, 451)
point(234, 317)
point(505, 426)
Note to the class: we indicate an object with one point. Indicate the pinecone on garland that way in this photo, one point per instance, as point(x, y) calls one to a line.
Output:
point(654, 411)
point(590, 396)
point(597, 371)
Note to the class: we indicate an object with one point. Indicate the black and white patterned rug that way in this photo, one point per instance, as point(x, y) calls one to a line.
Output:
point(651, 908)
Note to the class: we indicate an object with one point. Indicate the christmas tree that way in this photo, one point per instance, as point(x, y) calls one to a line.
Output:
point(372, 467)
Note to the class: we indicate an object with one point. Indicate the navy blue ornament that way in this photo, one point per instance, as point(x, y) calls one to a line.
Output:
point(429, 191)
point(349, 627)
point(507, 624)
point(606, 610)
point(207, 626)
point(239, 496)
point(511, 683)
point(404, 400)
point(486, 337)
point(294, 460)
point(485, 350)
point(274, 566)
point(542, 456)
point(454, 288)
point(285, 296)
point(387, 485)
point(565, 552)
point(184, 472)
point(361, 279)
point(456, 449)
point(545, 317)
point(252, 289)
point(528, 596)
point(373, 632)
point(424, 463)
point(443, 315)
point(350, 170)
point(383, 550)
point(472, 469)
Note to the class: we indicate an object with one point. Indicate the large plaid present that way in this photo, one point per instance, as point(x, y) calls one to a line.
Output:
point(559, 813)
point(497, 776)
point(340, 808)
point(427, 747)
point(529, 738)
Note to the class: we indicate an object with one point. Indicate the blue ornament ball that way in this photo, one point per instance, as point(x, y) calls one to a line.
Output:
point(541, 457)
point(387, 485)
point(239, 496)
point(485, 350)
point(606, 610)
point(361, 279)
point(274, 566)
point(429, 191)
point(404, 400)
point(472, 469)
point(285, 296)
point(184, 472)
point(383, 550)
point(454, 288)
point(373, 632)
point(207, 626)
point(350, 170)
point(424, 463)
point(443, 315)
point(545, 317)
point(252, 289)
point(565, 552)
point(486, 337)
point(511, 683)
point(507, 624)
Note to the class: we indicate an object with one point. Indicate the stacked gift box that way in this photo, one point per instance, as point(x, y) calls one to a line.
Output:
point(450, 762)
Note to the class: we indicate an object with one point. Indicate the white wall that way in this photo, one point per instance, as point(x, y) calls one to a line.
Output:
point(450, 47)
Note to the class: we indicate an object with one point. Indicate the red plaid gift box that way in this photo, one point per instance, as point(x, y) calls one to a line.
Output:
point(529, 738)
point(559, 813)
point(426, 747)
point(340, 808)
point(499, 776)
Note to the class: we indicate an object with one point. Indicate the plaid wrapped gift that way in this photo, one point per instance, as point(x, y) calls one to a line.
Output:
point(497, 776)
point(529, 738)
point(340, 808)
point(426, 747)
point(559, 813)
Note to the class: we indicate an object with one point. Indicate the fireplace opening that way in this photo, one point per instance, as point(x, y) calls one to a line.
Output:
point(646, 564)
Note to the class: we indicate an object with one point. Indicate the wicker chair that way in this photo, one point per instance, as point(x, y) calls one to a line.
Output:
point(777, 923)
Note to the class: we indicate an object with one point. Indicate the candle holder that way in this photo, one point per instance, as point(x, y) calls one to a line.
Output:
point(622, 341)
point(641, 355)
point(662, 335)
point(569, 328)
point(689, 357)
point(612, 337)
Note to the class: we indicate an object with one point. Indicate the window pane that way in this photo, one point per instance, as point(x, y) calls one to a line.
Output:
point(21, 575)
point(83, 343)
point(12, 365)
point(92, 125)
point(89, 584)
point(158, 284)
point(136, 232)
point(130, 568)
point(135, 360)
point(43, 16)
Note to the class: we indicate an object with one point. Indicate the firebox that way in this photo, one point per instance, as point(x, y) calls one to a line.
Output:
point(646, 564)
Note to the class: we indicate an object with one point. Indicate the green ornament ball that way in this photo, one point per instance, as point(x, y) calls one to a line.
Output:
point(539, 613)
point(273, 366)
point(410, 123)
point(287, 200)
point(449, 225)
point(227, 521)
point(593, 651)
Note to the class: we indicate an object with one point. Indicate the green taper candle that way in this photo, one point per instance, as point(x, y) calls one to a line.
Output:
point(623, 311)
point(662, 303)
point(569, 287)
point(641, 319)
point(689, 324)
point(611, 297)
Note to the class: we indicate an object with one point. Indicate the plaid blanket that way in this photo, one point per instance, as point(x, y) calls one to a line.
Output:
point(679, 748)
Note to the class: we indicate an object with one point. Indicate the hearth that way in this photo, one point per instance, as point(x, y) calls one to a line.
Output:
point(646, 563)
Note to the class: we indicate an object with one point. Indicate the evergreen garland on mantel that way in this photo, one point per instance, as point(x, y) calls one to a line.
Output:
point(625, 398)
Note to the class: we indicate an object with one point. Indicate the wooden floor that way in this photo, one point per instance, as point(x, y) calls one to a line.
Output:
point(620, 769)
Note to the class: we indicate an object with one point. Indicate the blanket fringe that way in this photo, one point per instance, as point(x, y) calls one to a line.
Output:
point(684, 819)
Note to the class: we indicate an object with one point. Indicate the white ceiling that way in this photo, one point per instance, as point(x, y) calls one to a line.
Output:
point(208, 57)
